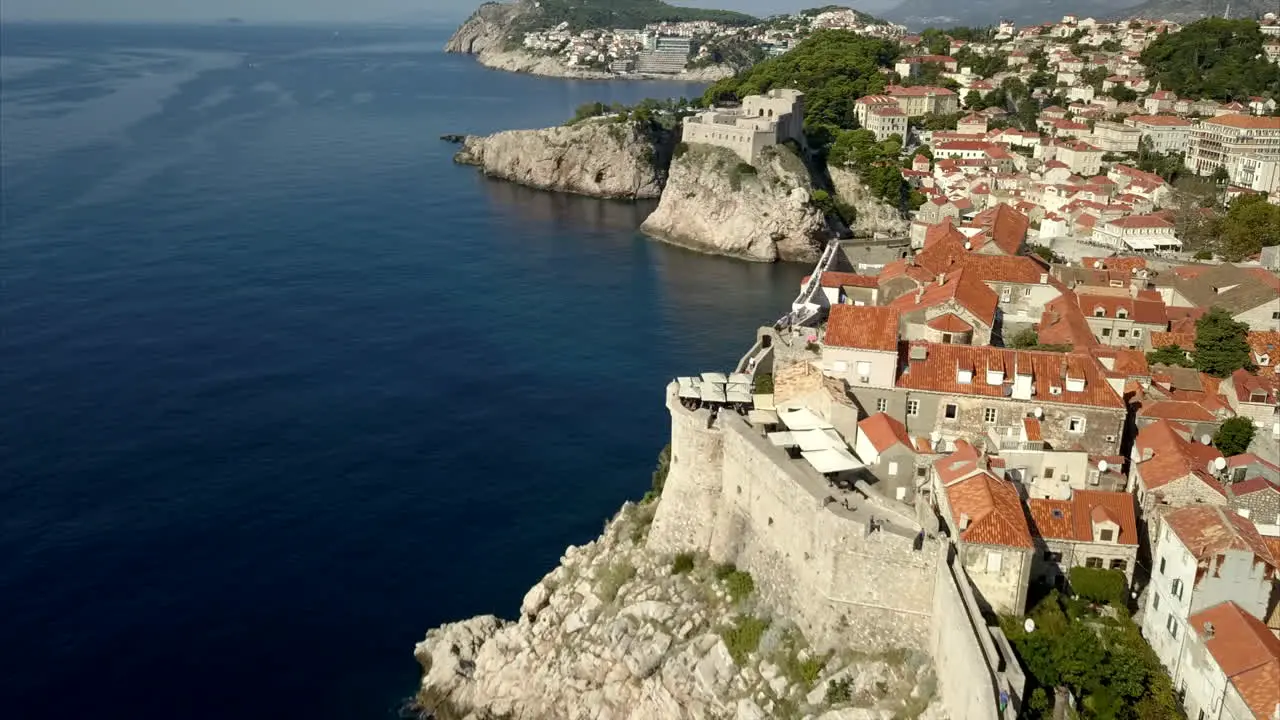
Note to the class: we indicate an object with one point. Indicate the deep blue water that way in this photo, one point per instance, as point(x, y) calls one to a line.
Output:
point(281, 387)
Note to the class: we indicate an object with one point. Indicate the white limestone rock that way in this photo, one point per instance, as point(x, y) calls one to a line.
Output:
point(602, 159)
point(535, 600)
point(873, 214)
point(714, 205)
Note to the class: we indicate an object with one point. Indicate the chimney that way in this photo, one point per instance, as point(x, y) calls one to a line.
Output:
point(1208, 630)
point(964, 521)
point(1147, 453)
point(941, 278)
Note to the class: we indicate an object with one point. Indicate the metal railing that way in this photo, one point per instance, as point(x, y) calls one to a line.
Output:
point(804, 307)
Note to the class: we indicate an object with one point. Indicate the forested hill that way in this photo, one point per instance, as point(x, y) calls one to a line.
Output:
point(1213, 58)
point(1184, 11)
point(919, 14)
point(586, 14)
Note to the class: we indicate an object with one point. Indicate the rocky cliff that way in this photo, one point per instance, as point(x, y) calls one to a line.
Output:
point(717, 204)
point(621, 632)
point(492, 34)
point(599, 158)
point(873, 215)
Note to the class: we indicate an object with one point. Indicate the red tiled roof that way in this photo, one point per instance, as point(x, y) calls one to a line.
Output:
point(1074, 518)
point(1210, 530)
point(1173, 457)
point(993, 509)
point(1253, 485)
point(1247, 385)
point(1006, 226)
point(865, 327)
point(937, 373)
point(960, 287)
point(1247, 652)
point(1160, 120)
point(917, 91)
point(1124, 362)
point(884, 432)
point(836, 279)
point(1032, 427)
point(1062, 323)
point(1245, 122)
point(1117, 262)
point(950, 323)
point(1142, 311)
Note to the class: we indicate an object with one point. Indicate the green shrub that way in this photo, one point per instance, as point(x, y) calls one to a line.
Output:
point(740, 584)
point(1099, 586)
point(743, 637)
point(746, 169)
point(821, 199)
point(839, 691)
point(613, 578)
point(762, 383)
point(724, 570)
point(682, 564)
point(1234, 436)
point(659, 475)
point(1203, 255)
point(681, 148)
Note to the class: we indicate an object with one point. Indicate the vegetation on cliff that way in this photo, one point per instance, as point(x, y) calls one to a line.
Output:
point(1213, 58)
point(634, 14)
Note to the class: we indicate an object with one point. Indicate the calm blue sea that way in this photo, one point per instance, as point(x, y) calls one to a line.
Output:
point(281, 387)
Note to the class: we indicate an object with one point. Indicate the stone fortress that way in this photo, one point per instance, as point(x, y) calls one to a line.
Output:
point(760, 122)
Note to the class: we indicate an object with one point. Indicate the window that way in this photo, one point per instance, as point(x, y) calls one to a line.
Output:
point(1137, 333)
point(1119, 564)
point(882, 405)
point(921, 471)
point(893, 468)
point(1106, 332)
point(913, 408)
point(1026, 292)
point(839, 366)
point(1122, 313)
point(948, 339)
point(950, 410)
point(1275, 315)
point(989, 415)
point(1006, 293)
point(1075, 425)
point(1155, 601)
point(1172, 625)
point(1175, 588)
point(993, 562)
point(1093, 563)
point(1106, 534)
point(1122, 333)
point(1161, 566)
point(1099, 312)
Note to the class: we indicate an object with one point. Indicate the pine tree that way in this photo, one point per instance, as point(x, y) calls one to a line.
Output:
point(1221, 343)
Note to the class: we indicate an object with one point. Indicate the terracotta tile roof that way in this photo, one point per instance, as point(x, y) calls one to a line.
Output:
point(1244, 459)
point(960, 287)
point(1121, 362)
point(1160, 120)
point(1073, 519)
point(1265, 343)
point(917, 91)
point(1144, 222)
point(1184, 340)
point(950, 323)
point(1006, 226)
point(1142, 311)
point(884, 432)
point(1184, 410)
point(1032, 427)
point(1248, 387)
point(863, 327)
point(1254, 485)
point(1062, 323)
point(1173, 457)
point(1118, 262)
point(1210, 530)
point(836, 279)
point(937, 373)
point(1247, 652)
point(993, 510)
point(1245, 122)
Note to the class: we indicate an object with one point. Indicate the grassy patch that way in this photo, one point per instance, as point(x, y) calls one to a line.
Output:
point(840, 691)
point(800, 672)
point(682, 564)
point(743, 637)
point(739, 583)
point(612, 579)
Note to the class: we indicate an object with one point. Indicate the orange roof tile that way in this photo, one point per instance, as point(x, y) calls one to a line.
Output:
point(1062, 323)
point(864, 327)
point(1245, 122)
point(1173, 457)
point(950, 323)
point(884, 432)
point(1147, 312)
point(1073, 519)
point(959, 287)
point(1209, 530)
point(937, 373)
point(1033, 429)
point(1247, 652)
point(993, 509)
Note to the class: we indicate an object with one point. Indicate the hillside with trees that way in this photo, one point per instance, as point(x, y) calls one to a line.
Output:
point(1213, 58)
point(587, 14)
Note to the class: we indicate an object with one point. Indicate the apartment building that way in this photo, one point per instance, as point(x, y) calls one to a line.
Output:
point(1115, 137)
point(1094, 529)
point(1214, 142)
point(924, 100)
point(1166, 133)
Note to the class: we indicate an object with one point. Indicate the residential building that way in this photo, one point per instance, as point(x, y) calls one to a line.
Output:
point(1137, 233)
point(886, 121)
point(1079, 157)
point(984, 516)
point(1214, 142)
point(1092, 529)
point(1229, 668)
point(956, 308)
point(924, 100)
point(898, 462)
point(1203, 556)
point(1120, 320)
point(762, 121)
point(1256, 397)
point(860, 345)
point(1169, 469)
point(1166, 133)
point(1115, 137)
point(1251, 295)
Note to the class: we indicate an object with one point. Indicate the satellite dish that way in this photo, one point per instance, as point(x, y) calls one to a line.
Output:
point(1206, 439)
point(1039, 412)
point(968, 246)
point(1102, 466)
point(1029, 625)
point(1220, 464)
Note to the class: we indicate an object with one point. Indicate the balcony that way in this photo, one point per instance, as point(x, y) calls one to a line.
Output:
point(1010, 438)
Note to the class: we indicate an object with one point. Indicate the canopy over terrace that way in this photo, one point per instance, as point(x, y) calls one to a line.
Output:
point(831, 460)
point(802, 419)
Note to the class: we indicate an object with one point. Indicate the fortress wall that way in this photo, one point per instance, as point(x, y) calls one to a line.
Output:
point(691, 496)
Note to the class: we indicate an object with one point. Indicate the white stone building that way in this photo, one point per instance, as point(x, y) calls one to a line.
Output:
point(762, 121)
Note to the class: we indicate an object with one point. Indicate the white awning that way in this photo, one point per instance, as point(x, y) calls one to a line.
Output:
point(687, 387)
point(782, 439)
point(764, 402)
point(813, 440)
point(1139, 244)
point(801, 419)
point(712, 392)
point(831, 461)
point(762, 417)
point(742, 378)
point(737, 396)
point(1167, 243)
point(714, 377)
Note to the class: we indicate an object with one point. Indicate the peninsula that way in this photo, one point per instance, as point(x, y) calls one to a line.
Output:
point(638, 39)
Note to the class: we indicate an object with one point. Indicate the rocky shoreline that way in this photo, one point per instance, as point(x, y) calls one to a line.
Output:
point(619, 631)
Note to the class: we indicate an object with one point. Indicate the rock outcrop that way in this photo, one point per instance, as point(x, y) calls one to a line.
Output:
point(491, 34)
point(873, 215)
point(717, 204)
point(599, 158)
point(617, 631)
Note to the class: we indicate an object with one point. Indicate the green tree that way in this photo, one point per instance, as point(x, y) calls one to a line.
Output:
point(1234, 436)
point(1169, 355)
point(1099, 585)
point(973, 100)
point(1251, 224)
point(1024, 339)
point(1028, 112)
point(1221, 343)
point(1214, 58)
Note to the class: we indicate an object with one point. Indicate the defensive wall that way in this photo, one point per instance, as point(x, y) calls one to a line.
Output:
point(734, 496)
